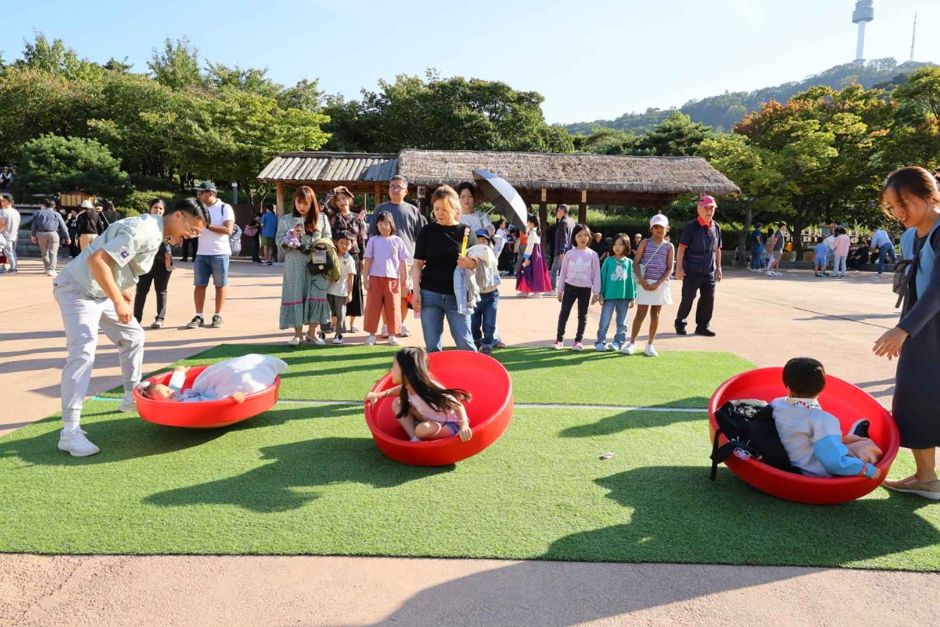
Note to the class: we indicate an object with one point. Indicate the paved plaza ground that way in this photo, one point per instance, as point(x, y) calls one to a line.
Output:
point(760, 319)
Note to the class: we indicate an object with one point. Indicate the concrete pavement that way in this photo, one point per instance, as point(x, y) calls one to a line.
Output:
point(761, 319)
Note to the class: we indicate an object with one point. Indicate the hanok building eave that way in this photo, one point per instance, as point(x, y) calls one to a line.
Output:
point(541, 178)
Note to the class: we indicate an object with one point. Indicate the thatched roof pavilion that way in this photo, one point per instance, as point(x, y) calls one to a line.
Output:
point(541, 178)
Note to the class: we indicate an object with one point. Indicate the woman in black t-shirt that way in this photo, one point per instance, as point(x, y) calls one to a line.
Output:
point(437, 255)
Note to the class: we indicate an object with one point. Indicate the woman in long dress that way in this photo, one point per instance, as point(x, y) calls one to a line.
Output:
point(296, 232)
point(342, 219)
point(533, 277)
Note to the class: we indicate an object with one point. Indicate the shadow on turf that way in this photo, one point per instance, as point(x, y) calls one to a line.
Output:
point(299, 466)
point(677, 516)
point(638, 419)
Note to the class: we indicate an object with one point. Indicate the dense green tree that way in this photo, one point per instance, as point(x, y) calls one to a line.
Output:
point(51, 164)
point(177, 65)
point(675, 136)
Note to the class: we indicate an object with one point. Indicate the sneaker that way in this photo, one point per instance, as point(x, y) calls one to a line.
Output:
point(628, 349)
point(706, 332)
point(76, 444)
point(157, 324)
point(404, 331)
point(196, 322)
point(614, 346)
point(926, 489)
point(294, 341)
point(338, 339)
point(577, 346)
point(318, 340)
point(601, 346)
point(650, 351)
point(52, 273)
point(370, 340)
point(680, 330)
point(216, 322)
point(393, 341)
point(499, 344)
point(558, 345)
point(486, 350)
point(128, 405)
point(860, 428)
point(354, 329)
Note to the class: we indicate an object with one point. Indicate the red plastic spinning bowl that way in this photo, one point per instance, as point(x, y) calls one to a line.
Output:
point(203, 414)
point(843, 400)
point(489, 410)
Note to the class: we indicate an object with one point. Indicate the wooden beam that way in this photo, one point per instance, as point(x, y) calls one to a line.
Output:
point(279, 199)
point(376, 195)
point(582, 207)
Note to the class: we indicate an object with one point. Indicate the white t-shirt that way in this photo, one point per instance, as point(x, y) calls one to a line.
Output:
point(12, 223)
point(347, 266)
point(800, 424)
point(210, 242)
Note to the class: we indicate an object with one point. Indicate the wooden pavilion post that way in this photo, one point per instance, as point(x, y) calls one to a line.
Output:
point(279, 199)
point(582, 207)
point(376, 196)
point(543, 209)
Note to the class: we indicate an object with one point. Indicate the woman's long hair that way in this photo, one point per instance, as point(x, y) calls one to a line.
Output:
point(414, 372)
point(312, 219)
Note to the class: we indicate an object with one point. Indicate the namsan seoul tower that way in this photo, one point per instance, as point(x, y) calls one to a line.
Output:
point(864, 12)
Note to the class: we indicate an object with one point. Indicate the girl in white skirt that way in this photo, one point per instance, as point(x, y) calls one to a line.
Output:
point(653, 267)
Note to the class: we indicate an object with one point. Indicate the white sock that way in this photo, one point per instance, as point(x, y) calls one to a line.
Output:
point(71, 421)
point(199, 314)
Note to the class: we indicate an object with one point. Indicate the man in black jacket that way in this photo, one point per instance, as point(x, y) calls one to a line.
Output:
point(561, 242)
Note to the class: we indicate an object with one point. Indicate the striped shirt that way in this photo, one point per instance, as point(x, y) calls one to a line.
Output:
point(654, 260)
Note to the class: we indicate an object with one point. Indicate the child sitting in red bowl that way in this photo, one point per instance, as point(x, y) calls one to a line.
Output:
point(813, 438)
point(425, 409)
point(231, 378)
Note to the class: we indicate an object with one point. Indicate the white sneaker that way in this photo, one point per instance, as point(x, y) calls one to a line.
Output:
point(628, 349)
point(404, 331)
point(76, 444)
point(319, 341)
point(354, 329)
point(650, 351)
point(51, 273)
point(128, 406)
point(370, 340)
point(393, 341)
point(338, 339)
point(294, 341)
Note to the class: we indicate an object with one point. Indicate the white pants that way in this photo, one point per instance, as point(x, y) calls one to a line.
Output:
point(81, 317)
point(9, 249)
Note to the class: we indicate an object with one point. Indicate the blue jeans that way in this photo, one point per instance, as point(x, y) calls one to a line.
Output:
point(434, 308)
point(215, 266)
point(483, 319)
point(757, 257)
point(886, 250)
point(621, 306)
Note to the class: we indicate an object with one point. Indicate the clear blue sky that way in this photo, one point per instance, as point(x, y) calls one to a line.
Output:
point(590, 59)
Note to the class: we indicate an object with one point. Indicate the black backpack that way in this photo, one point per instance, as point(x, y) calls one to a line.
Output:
point(751, 432)
point(906, 269)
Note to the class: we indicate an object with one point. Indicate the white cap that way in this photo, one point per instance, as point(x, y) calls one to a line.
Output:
point(659, 220)
point(87, 204)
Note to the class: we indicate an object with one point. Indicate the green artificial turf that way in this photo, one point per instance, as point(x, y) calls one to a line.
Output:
point(539, 375)
point(309, 480)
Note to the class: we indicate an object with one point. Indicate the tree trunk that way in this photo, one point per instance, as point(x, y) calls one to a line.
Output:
point(742, 236)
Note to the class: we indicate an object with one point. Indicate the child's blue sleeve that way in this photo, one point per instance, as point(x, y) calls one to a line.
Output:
point(835, 458)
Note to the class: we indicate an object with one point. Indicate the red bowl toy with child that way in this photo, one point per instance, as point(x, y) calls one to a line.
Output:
point(488, 410)
point(204, 414)
point(843, 400)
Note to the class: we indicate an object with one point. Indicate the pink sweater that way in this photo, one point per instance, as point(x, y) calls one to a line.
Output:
point(842, 245)
point(580, 268)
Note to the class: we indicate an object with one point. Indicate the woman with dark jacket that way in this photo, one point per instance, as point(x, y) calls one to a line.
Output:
point(159, 277)
point(342, 218)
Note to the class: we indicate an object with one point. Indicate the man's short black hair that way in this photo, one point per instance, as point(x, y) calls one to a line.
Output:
point(344, 235)
point(781, 224)
point(7, 196)
point(562, 207)
point(805, 377)
point(192, 207)
point(48, 203)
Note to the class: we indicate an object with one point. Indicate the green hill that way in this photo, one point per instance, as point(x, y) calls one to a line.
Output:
point(724, 111)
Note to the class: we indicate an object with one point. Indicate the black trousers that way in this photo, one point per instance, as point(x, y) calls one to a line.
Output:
point(254, 245)
point(190, 246)
point(704, 286)
point(160, 278)
point(571, 294)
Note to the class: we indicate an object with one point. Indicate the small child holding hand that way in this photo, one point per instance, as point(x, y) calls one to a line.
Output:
point(813, 438)
point(425, 409)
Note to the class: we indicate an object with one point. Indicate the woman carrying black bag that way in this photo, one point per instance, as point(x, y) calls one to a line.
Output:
point(913, 197)
point(342, 218)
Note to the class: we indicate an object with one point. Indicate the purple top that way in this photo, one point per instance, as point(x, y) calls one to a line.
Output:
point(580, 268)
point(386, 255)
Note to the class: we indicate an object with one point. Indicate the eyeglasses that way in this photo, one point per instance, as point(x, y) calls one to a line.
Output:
point(397, 187)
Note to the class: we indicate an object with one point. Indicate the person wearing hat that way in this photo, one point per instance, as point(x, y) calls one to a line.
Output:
point(653, 265)
point(757, 248)
point(94, 291)
point(483, 318)
point(212, 255)
point(344, 220)
point(698, 266)
point(89, 224)
point(9, 228)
